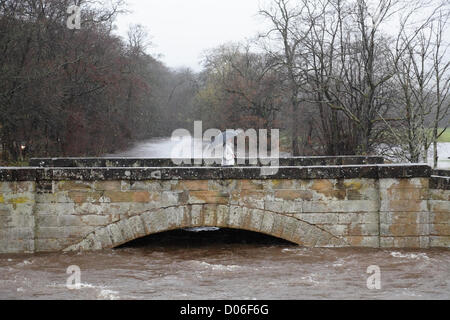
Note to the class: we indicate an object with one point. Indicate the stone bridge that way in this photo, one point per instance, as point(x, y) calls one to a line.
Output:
point(93, 204)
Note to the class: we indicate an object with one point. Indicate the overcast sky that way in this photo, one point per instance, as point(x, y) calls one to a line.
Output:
point(182, 29)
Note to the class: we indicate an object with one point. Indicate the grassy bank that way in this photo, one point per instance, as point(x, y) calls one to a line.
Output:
point(445, 136)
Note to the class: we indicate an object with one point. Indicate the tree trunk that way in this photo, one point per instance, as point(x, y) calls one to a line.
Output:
point(435, 152)
point(294, 132)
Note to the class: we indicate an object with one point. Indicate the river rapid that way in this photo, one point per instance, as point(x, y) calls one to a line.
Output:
point(224, 264)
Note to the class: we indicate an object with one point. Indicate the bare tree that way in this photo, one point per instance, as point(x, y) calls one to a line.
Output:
point(288, 35)
point(422, 79)
point(338, 57)
point(441, 68)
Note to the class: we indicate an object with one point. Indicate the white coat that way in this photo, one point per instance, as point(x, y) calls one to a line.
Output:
point(228, 156)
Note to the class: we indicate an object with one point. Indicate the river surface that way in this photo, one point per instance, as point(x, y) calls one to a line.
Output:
point(224, 264)
point(164, 147)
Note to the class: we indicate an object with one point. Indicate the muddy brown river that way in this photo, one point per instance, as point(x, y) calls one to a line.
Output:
point(226, 265)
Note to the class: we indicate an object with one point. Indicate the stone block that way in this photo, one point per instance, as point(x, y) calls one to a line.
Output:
point(294, 195)
point(104, 237)
point(12, 234)
point(404, 217)
point(77, 232)
point(52, 245)
point(155, 222)
point(49, 221)
point(267, 223)
point(273, 206)
point(196, 216)
point(115, 234)
point(440, 206)
point(191, 185)
point(336, 229)
point(407, 242)
point(403, 183)
point(127, 230)
point(256, 219)
point(79, 197)
point(404, 206)
point(93, 220)
point(363, 229)
point(55, 208)
point(175, 217)
point(208, 197)
point(234, 218)
point(404, 194)
point(319, 218)
point(440, 241)
point(404, 230)
point(286, 184)
point(290, 227)
point(249, 185)
point(440, 229)
point(277, 226)
point(440, 217)
point(151, 186)
point(340, 206)
point(117, 196)
point(77, 185)
point(363, 241)
point(222, 216)
point(209, 215)
point(51, 233)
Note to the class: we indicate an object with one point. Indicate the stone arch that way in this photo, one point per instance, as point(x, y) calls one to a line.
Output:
point(208, 215)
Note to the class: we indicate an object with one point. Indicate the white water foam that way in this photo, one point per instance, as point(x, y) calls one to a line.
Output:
point(310, 279)
point(25, 263)
point(415, 256)
point(339, 263)
point(82, 286)
point(103, 292)
point(108, 295)
point(219, 267)
point(289, 250)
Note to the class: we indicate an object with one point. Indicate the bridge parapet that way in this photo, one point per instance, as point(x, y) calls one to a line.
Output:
point(145, 162)
point(47, 209)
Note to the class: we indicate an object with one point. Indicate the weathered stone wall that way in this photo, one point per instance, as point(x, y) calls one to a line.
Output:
point(439, 205)
point(17, 220)
point(49, 209)
point(404, 213)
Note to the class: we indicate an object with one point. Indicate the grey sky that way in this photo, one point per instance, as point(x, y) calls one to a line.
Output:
point(182, 29)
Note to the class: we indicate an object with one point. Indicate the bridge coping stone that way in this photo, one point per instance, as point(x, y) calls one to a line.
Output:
point(217, 173)
point(165, 162)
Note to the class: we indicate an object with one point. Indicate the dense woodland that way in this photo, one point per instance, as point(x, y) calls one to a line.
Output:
point(336, 76)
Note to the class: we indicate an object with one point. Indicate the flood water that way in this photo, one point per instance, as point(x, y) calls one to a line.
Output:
point(224, 264)
point(163, 147)
point(185, 269)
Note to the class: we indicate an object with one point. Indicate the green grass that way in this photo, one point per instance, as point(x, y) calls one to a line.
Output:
point(445, 136)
